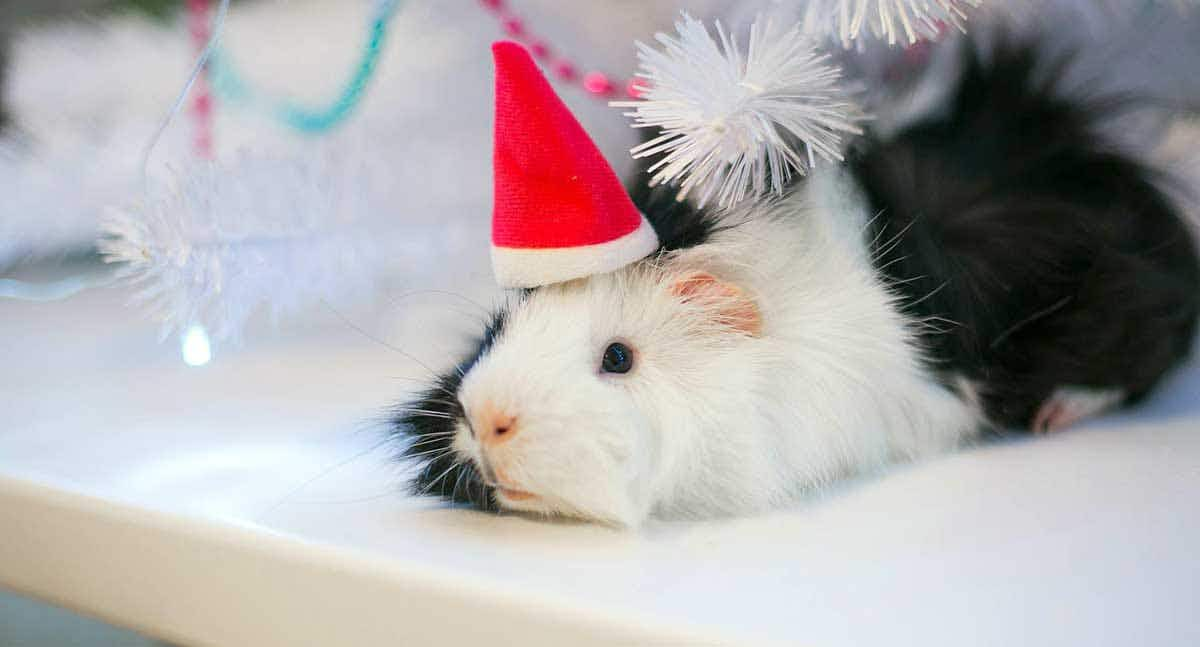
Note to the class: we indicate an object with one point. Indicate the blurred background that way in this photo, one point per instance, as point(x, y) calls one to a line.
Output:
point(323, 194)
point(358, 133)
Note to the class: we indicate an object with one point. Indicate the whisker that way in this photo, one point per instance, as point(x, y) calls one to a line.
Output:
point(439, 451)
point(429, 414)
point(373, 497)
point(426, 383)
point(870, 222)
point(441, 476)
point(943, 319)
point(377, 340)
point(323, 473)
point(893, 242)
point(426, 441)
point(931, 293)
point(878, 234)
point(457, 483)
point(908, 280)
point(440, 401)
point(1045, 312)
point(892, 262)
point(447, 293)
point(435, 434)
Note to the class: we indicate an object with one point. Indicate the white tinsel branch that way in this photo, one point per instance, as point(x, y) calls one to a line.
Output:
point(225, 241)
point(736, 124)
point(890, 20)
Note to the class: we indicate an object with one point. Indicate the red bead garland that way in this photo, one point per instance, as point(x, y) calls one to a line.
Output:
point(598, 84)
point(202, 103)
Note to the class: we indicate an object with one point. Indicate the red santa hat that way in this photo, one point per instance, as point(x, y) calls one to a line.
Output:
point(559, 211)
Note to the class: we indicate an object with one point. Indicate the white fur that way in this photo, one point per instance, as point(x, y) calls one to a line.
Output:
point(712, 421)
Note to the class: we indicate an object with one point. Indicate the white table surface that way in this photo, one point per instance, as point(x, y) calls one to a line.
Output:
point(247, 502)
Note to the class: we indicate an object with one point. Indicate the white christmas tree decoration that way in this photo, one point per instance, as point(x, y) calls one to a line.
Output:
point(895, 21)
point(225, 241)
point(737, 124)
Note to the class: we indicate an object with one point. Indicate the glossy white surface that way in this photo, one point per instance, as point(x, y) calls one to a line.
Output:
point(268, 457)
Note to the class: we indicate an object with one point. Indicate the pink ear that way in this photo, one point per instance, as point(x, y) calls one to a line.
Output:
point(728, 302)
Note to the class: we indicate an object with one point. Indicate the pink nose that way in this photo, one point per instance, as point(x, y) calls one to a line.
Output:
point(495, 426)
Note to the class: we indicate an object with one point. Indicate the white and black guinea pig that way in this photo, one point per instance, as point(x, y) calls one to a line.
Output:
point(996, 267)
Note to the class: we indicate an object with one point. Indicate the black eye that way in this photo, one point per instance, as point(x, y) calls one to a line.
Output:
point(618, 358)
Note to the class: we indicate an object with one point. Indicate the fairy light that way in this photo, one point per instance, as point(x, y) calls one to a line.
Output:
point(196, 349)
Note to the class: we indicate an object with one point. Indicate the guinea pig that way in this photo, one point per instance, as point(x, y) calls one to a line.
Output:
point(994, 268)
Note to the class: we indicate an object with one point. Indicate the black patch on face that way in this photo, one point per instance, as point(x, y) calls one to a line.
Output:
point(425, 426)
point(1043, 257)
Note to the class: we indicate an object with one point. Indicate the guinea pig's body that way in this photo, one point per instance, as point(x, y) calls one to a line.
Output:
point(1064, 280)
point(995, 268)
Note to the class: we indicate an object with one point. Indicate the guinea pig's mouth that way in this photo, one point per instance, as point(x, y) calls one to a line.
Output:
point(494, 477)
point(515, 495)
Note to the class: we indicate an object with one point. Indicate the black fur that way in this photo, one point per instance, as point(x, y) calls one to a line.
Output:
point(678, 224)
point(1042, 257)
point(425, 428)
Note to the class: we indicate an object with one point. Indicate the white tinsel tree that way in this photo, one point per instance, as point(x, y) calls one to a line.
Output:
point(263, 233)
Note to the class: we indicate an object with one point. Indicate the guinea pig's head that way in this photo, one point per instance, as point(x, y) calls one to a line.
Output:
point(590, 398)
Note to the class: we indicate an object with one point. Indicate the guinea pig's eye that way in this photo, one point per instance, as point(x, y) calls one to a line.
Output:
point(618, 358)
